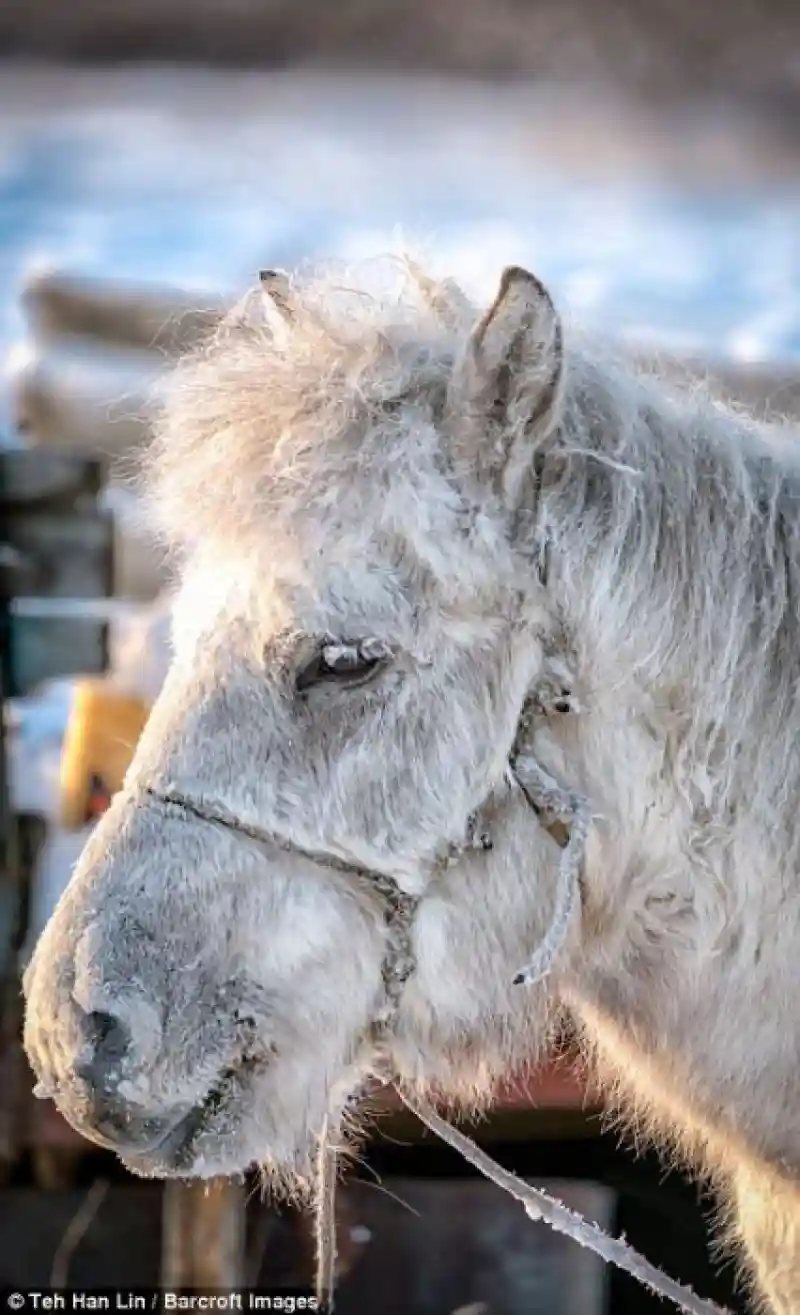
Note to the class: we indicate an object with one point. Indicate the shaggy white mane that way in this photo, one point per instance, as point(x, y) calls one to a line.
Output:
point(679, 522)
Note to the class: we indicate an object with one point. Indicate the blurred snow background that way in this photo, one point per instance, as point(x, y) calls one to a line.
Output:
point(681, 226)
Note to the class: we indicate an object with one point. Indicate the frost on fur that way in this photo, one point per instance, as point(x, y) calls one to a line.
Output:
point(359, 457)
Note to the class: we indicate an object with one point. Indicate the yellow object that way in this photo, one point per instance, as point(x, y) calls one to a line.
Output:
point(103, 728)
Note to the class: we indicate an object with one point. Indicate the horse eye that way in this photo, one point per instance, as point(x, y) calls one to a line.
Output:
point(344, 664)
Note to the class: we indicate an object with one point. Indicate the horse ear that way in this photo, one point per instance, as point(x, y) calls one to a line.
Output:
point(265, 308)
point(505, 392)
point(277, 290)
point(276, 296)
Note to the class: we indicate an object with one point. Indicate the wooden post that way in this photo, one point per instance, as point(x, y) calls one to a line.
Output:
point(203, 1234)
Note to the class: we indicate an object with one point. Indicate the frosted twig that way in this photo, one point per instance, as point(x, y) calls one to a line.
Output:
point(74, 1234)
point(325, 1219)
point(539, 1205)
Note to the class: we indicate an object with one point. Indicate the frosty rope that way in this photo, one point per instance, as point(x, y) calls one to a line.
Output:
point(565, 815)
point(540, 1206)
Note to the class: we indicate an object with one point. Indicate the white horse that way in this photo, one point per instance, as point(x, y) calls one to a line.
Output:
point(483, 711)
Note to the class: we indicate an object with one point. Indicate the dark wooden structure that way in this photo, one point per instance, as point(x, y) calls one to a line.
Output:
point(54, 546)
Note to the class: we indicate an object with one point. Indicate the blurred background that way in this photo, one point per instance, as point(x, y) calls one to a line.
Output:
point(642, 157)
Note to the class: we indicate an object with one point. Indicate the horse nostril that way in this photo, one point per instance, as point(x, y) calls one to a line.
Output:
point(109, 1040)
point(109, 1034)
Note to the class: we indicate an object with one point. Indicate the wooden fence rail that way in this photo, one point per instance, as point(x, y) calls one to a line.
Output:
point(142, 318)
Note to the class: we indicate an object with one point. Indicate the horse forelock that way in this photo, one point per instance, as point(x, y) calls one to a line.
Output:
point(260, 430)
